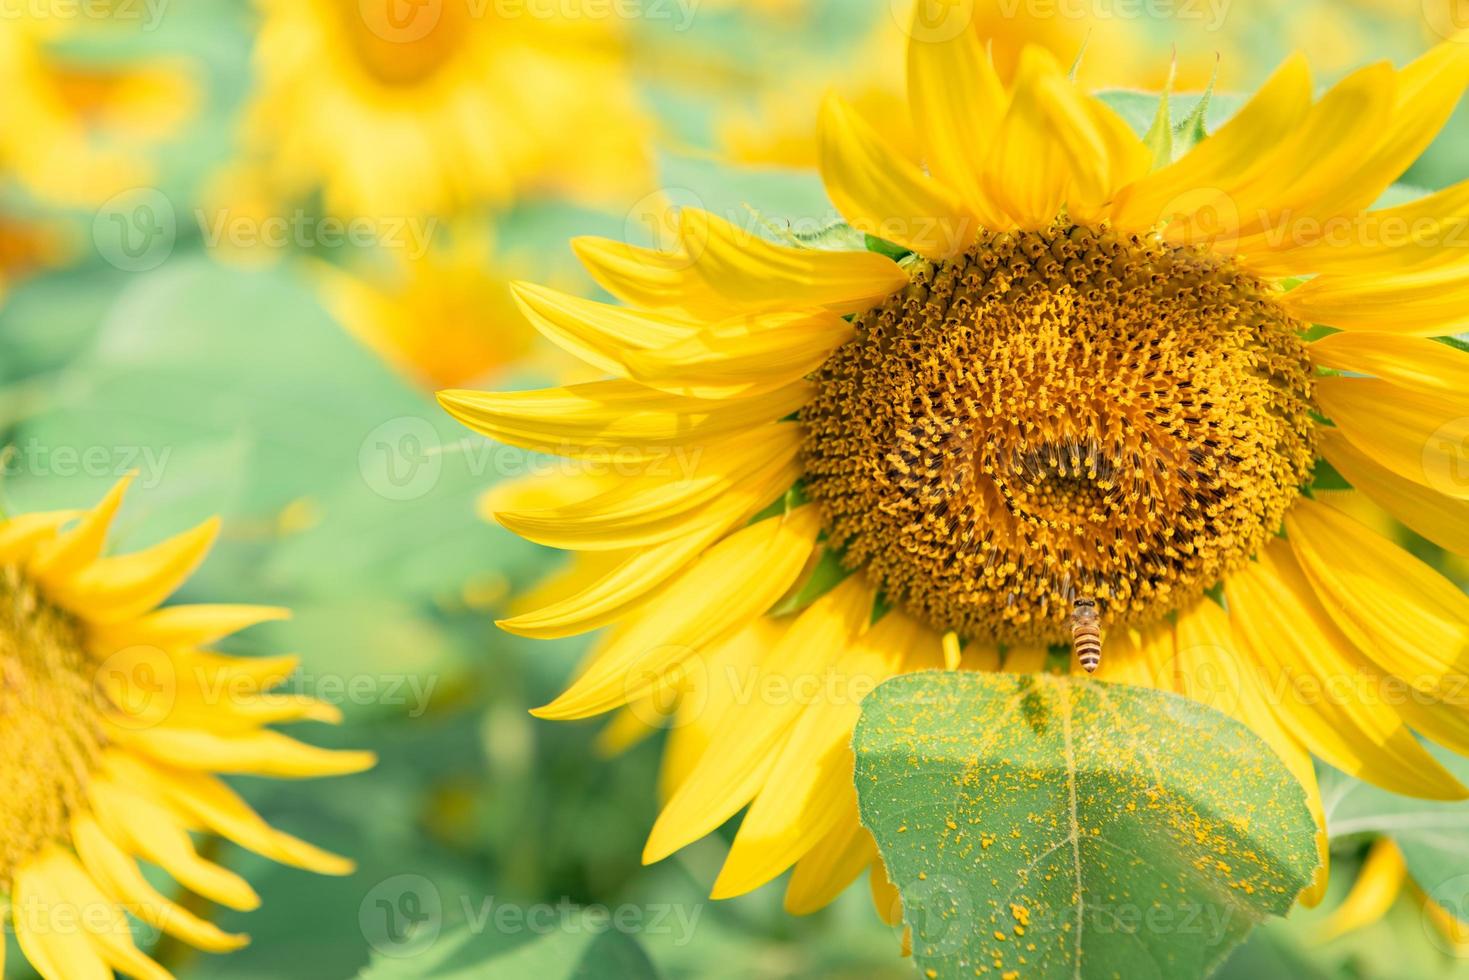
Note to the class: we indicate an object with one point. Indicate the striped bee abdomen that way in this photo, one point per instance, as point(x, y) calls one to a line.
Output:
point(1086, 634)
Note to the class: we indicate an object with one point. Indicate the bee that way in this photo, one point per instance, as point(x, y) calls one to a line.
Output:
point(1086, 634)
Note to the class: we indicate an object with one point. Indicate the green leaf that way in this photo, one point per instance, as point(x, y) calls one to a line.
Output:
point(1059, 827)
point(584, 947)
point(1430, 833)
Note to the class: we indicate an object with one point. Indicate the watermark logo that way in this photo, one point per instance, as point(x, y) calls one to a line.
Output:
point(135, 230)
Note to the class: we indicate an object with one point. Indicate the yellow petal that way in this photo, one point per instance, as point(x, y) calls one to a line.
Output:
point(259, 753)
point(719, 686)
point(1424, 234)
point(618, 420)
point(1236, 153)
point(117, 873)
point(1142, 658)
point(46, 928)
point(882, 193)
point(830, 866)
point(743, 357)
point(1026, 660)
point(213, 804)
point(1432, 302)
point(184, 626)
point(1408, 619)
point(143, 827)
point(1418, 436)
point(97, 918)
point(638, 578)
point(1210, 668)
point(750, 737)
point(1412, 362)
point(1027, 173)
point(640, 512)
point(1439, 518)
point(809, 789)
point(743, 266)
point(114, 590)
point(1377, 887)
point(735, 581)
point(20, 535)
point(598, 333)
point(59, 559)
point(1319, 678)
point(650, 279)
point(957, 103)
point(1341, 129)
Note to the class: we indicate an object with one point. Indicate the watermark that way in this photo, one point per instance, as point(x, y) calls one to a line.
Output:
point(1449, 19)
point(1210, 13)
point(137, 230)
point(413, 21)
point(1445, 913)
point(403, 916)
point(945, 914)
point(403, 459)
point(148, 14)
point(679, 13)
point(145, 686)
point(933, 21)
point(1446, 458)
point(33, 457)
point(412, 235)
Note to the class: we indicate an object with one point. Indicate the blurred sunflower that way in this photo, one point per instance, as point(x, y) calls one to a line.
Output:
point(78, 128)
point(457, 104)
point(114, 719)
point(434, 313)
point(1068, 365)
point(779, 129)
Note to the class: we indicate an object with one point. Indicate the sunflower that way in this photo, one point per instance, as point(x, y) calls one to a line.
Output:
point(456, 104)
point(78, 129)
point(1065, 365)
point(114, 720)
point(433, 314)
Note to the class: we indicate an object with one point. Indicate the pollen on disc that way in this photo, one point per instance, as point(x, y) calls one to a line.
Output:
point(1073, 412)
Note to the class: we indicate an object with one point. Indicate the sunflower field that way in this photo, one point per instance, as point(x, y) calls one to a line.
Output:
point(734, 489)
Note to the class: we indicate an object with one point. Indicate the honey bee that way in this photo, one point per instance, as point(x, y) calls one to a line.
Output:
point(1086, 634)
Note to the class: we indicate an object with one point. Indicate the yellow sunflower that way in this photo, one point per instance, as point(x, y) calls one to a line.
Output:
point(78, 130)
point(433, 314)
point(395, 109)
point(114, 720)
point(1065, 366)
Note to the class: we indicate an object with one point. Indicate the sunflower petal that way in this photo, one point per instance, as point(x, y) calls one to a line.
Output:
point(1441, 519)
point(1276, 617)
point(1411, 362)
point(114, 590)
point(613, 418)
point(735, 581)
point(598, 333)
point(957, 103)
point(750, 738)
point(882, 193)
point(760, 275)
point(651, 510)
point(1411, 621)
point(743, 357)
point(1419, 437)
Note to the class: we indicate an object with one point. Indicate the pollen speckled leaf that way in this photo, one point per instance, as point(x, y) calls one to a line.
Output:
point(1038, 826)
